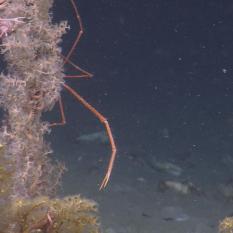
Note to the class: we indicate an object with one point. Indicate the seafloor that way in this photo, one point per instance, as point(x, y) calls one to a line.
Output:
point(134, 201)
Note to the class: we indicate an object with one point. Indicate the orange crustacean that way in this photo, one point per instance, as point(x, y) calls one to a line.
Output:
point(8, 25)
point(79, 98)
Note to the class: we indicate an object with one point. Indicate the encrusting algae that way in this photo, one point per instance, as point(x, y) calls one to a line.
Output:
point(71, 214)
point(226, 225)
point(31, 84)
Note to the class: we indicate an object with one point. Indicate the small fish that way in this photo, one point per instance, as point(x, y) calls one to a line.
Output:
point(174, 213)
point(178, 219)
point(99, 136)
point(179, 187)
point(167, 167)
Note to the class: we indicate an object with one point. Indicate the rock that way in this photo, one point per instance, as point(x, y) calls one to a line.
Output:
point(174, 213)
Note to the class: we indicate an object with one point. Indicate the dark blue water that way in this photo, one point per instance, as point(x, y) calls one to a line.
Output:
point(163, 78)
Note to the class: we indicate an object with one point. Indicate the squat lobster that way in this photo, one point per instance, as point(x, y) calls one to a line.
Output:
point(8, 25)
point(101, 118)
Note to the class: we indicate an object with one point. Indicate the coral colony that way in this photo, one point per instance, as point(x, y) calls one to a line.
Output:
point(30, 84)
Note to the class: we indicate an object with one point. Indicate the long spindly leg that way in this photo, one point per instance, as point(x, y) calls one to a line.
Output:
point(63, 118)
point(104, 121)
point(79, 33)
point(84, 73)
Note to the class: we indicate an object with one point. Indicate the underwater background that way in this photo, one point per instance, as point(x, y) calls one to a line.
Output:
point(163, 78)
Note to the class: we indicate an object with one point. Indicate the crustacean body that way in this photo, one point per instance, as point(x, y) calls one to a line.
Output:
point(7, 26)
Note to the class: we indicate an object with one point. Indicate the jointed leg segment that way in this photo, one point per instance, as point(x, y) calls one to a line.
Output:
point(79, 33)
point(103, 120)
point(63, 118)
point(85, 74)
